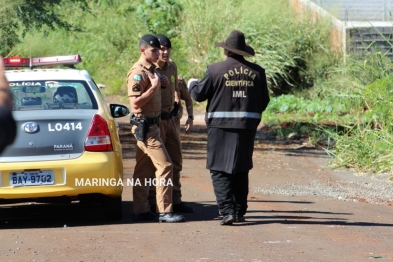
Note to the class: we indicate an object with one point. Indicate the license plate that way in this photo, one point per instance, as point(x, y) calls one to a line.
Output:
point(32, 178)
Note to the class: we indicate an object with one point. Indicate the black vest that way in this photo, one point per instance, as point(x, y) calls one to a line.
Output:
point(238, 94)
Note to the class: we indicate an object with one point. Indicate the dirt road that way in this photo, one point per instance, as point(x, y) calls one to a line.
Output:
point(299, 210)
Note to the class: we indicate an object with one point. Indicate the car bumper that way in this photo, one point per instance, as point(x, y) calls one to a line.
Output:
point(92, 173)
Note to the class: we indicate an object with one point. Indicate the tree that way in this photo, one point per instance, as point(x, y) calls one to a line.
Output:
point(17, 17)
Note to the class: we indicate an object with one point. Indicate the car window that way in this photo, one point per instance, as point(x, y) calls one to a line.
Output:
point(51, 95)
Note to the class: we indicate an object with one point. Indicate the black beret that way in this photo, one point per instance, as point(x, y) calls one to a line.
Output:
point(151, 40)
point(164, 40)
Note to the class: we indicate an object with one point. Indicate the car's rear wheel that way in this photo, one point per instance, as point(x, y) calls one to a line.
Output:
point(113, 209)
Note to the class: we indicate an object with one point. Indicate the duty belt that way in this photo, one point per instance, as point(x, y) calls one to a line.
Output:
point(150, 120)
point(166, 116)
point(153, 120)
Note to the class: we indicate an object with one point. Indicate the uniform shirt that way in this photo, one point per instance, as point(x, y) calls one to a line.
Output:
point(236, 91)
point(138, 82)
point(169, 69)
point(183, 95)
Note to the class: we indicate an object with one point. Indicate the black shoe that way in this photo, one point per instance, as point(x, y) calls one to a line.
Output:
point(144, 217)
point(240, 218)
point(227, 220)
point(182, 208)
point(170, 218)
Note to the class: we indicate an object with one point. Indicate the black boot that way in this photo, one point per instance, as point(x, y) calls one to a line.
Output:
point(144, 217)
point(240, 218)
point(170, 218)
point(227, 220)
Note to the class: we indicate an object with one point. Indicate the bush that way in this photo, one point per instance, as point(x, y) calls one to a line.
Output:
point(160, 16)
point(378, 98)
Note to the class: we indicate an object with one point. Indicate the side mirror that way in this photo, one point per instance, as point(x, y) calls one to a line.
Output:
point(118, 110)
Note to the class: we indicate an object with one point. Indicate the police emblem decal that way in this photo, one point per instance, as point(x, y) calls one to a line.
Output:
point(137, 78)
point(136, 88)
point(172, 78)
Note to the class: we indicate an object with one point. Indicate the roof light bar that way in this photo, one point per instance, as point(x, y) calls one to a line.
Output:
point(16, 62)
point(69, 60)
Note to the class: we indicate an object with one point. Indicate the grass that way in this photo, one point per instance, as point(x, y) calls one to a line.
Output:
point(307, 80)
point(110, 34)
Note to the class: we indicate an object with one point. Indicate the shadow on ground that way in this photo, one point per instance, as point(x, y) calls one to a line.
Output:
point(37, 215)
point(75, 215)
point(293, 217)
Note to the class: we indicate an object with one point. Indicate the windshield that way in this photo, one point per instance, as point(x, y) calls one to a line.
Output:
point(47, 95)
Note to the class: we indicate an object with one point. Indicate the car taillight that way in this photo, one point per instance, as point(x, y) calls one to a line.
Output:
point(98, 138)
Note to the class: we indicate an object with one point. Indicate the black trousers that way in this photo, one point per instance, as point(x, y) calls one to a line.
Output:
point(231, 192)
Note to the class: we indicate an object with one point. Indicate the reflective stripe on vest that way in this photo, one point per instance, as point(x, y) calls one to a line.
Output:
point(233, 115)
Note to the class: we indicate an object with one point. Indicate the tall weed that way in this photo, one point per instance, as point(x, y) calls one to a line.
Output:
point(294, 52)
point(363, 148)
point(367, 145)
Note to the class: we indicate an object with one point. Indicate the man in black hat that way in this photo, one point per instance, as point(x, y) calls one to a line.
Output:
point(7, 122)
point(237, 94)
point(144, 91)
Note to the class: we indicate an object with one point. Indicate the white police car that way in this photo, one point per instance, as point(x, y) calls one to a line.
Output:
point(67, 145)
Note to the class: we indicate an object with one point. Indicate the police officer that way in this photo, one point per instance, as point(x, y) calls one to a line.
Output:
point(237, 94)
point(144, 91)
point(7, 122)
point(169, 127)
point(185, 96)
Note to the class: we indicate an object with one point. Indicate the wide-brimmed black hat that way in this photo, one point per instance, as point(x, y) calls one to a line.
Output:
point(236, 43)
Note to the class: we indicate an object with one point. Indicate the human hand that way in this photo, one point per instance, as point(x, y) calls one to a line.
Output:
point(154, 80)
point(189, 124)
point(164, 81)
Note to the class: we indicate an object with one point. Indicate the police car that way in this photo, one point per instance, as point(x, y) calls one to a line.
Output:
point(67, 145)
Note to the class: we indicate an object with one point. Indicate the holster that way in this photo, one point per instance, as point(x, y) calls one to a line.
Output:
point(175, 109)
point(142, 128)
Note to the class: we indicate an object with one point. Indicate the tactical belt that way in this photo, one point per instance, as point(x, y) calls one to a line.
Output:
point(166, 116)
point(153, 120)
point(150, 120)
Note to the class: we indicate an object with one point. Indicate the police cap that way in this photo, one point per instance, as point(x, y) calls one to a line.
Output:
point(151, 40)
point(164, 40)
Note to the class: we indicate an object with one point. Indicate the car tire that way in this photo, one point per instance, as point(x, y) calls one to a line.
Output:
point(113, 209)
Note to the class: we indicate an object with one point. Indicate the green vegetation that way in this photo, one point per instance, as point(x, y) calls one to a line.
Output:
point(347, 103)
point(21, 16)
point(109, 32)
